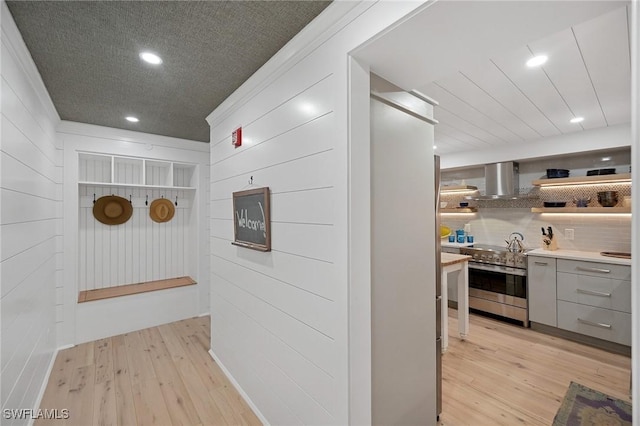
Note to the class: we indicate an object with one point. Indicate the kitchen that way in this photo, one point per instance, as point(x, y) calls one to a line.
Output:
point(477, 112)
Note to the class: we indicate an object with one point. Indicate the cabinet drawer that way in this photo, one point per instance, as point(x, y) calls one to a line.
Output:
point(604, 324)
point(595, 291)
point(595, 269)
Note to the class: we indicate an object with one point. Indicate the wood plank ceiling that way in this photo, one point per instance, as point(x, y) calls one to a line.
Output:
point(501, 101)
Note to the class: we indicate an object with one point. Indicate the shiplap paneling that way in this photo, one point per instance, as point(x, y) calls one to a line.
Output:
point(570, 76)
point(612, 83)
point(137, 251)
point(472, 114)
point(493, 81)
point(300, 154)
point(536, 87)
point(323, 61)
point(289, 268)
point(140, 250)
point(273, 295)
point(278, 363)
point(469, 92)
point(30, 187)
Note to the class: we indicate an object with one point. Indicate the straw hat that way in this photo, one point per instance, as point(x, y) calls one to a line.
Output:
point(112, 210)
point(161, 210)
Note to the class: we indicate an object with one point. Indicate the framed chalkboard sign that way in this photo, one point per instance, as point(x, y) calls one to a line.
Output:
point(251, 219)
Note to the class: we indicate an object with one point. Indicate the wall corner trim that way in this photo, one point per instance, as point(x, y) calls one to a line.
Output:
point(235, 384)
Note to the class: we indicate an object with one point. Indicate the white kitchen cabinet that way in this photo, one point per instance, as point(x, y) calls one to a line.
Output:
point(605, 324)
point(542, 290)
point(594, 298)
point(602, 292)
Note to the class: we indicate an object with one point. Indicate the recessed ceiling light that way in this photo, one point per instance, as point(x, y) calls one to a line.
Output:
point(536, 61)
point(435, 147)
point(132, 119)
point(151, 58)
point(576, 120)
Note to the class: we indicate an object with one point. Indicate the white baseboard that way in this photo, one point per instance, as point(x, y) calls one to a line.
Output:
point(239, 389)
point(45, 382)
point(204, 314)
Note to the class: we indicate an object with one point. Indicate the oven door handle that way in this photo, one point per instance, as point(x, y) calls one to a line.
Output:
point(498, 268)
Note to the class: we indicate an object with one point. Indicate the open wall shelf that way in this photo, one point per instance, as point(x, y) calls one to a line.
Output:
point(112, 170)
point(609, 210)
point(452, 189)
point(460, 210)
point(584, 180)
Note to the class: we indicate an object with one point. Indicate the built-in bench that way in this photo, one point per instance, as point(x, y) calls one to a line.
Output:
point(125, 290)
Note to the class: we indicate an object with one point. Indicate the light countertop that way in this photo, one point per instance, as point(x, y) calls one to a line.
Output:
point(588, 256)
point(452, 259)
point(445, 243)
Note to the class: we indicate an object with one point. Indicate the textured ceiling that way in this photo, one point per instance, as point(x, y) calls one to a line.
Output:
point(87, 55)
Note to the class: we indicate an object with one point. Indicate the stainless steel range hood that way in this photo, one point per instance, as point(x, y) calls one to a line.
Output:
point(501, 182)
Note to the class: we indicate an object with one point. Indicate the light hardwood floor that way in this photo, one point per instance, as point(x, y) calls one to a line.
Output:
point(507, 375)
point(158, 376)
point(501, 375)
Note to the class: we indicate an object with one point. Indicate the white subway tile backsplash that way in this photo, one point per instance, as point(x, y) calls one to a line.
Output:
point(592, 232)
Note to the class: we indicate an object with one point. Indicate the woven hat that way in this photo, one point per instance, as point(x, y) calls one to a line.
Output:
point(161, 210)
point(112, 210)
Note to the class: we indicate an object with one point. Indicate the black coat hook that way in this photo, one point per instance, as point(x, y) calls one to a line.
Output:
point(94, 198)
point(176, 201)
point(130, 199)
point(146, 201)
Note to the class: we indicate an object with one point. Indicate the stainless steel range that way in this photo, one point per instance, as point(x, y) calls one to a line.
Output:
point(498, 281)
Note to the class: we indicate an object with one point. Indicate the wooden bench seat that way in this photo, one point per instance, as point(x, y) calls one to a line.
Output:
point(125, 290)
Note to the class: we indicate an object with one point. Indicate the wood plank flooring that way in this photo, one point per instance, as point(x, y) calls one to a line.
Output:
point(158, 376)
point(501, 375)
point(507, 375)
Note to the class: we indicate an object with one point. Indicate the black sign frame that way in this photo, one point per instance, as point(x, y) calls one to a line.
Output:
point(256, 200)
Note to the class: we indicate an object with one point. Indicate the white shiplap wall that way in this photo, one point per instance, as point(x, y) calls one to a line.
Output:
point(281, 307)
point(98, 255)
point(139, 250)
point(30, 225)
point(280, 320)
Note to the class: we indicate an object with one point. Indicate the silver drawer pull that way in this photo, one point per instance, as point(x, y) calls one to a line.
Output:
point(541, 263)
point(596, 324)
point(601, 271)
point(593, 293)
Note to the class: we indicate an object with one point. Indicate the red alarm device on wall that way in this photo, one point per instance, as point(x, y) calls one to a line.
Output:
point(236, 137)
